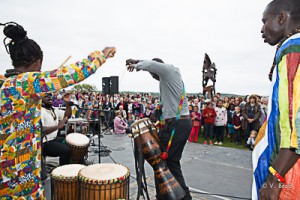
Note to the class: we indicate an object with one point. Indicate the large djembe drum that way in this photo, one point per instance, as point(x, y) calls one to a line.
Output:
point(64, 182)
point(145, 136)
point(104, 181)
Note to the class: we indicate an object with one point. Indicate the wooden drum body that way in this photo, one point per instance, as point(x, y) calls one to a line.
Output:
point(145, 136)
point(104, 181)
point(79, 145)
point(64, 182)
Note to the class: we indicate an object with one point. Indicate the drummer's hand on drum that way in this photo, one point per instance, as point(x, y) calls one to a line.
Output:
point(109, 52)
point(62, 123)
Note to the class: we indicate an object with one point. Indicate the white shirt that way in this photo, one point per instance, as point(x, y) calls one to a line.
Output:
point(130, 107)
point(47, 117)
point(221, 117)
point(74, 100)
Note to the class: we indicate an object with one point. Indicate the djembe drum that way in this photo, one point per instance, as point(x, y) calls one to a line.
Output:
point(145, 136)
point(64, 182)
point(79, 145)
point(104, 181)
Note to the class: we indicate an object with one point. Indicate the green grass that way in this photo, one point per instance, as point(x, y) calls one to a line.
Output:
point(226, 142)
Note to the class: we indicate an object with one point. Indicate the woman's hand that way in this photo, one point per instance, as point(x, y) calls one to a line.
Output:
point(109, 52)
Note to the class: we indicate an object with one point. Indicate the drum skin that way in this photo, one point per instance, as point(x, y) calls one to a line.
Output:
point(105, 189)
point(64, 182)
point(169, 187)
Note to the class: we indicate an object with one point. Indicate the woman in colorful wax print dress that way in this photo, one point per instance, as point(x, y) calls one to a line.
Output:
point(21, 91)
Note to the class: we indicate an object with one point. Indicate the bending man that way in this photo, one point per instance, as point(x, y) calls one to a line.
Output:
point(171, 92)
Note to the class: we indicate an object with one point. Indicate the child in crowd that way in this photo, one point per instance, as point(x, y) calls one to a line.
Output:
point(220, 122)
point(251, 140)
point(136, 109)
point(196, 119)
point(130, 115)
point(157, 118)
point(203, 105)
point(230, 114)
point(237, 124)
point(191, 108)
point(147, 113)
point(130, 120)
point(209, 115)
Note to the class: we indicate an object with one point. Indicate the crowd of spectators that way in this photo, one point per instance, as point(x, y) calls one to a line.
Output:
point(213, 119)
point(233, 117)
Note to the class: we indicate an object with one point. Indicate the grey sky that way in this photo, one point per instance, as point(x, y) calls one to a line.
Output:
point(179, 32)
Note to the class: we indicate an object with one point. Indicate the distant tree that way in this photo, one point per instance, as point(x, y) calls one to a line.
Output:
point(84, 88)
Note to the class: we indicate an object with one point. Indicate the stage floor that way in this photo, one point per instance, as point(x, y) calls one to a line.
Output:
point(207, 169)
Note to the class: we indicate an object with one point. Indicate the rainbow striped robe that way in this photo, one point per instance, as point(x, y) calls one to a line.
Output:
point(282, 127)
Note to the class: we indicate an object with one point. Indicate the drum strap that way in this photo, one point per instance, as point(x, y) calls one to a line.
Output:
point(165, 154)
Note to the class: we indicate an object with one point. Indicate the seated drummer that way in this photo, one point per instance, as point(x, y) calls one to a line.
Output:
point(54, 119)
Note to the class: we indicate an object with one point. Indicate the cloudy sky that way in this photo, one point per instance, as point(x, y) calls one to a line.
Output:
point(179, 32)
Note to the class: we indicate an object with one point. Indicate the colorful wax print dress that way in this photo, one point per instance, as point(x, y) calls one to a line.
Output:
point(20, 131)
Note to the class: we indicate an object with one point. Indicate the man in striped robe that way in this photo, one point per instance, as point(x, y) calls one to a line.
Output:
point(276, 161)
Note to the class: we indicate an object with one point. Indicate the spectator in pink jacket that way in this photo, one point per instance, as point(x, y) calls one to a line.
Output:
point(120, 126)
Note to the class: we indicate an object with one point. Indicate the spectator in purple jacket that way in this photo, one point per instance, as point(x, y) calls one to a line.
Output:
point(58, 102)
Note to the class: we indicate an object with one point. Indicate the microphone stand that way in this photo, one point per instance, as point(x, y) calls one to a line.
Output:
point(100, 130)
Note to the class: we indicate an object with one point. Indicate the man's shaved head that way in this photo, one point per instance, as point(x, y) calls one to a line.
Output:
point(290, 6)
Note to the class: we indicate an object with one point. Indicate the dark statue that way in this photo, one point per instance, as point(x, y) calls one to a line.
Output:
point(209, 72)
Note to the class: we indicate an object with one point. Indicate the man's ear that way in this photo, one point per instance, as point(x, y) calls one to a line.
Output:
point(282, 17)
